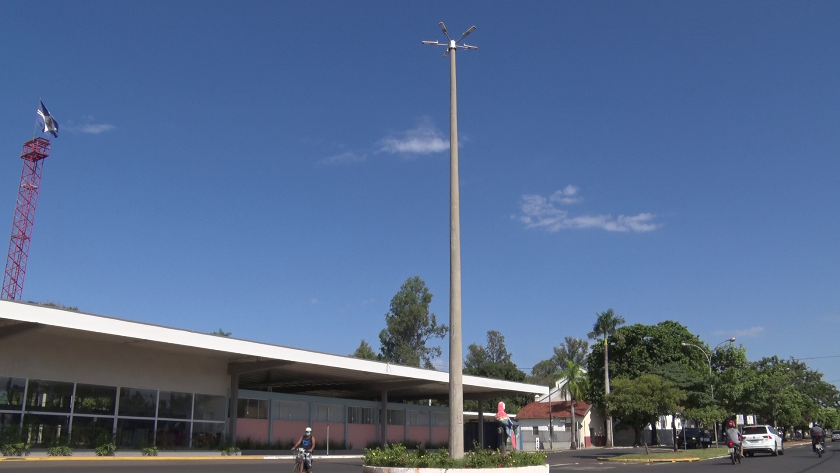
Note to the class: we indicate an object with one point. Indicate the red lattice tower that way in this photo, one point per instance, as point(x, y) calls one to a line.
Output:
point(33, 154)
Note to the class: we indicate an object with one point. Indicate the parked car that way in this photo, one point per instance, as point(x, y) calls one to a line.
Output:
point(762, 438)
point(835, 436)
point(694, 438)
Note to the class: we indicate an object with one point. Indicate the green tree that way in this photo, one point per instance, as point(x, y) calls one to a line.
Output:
point(493, 361)
point(409, 326)
point(640, 401)
point(546, 372)
point(575, 387)
point(606, 326)
point(364, 351)
point(220, 333)
point(829, 418)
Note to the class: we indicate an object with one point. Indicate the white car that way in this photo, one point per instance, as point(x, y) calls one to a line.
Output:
point(762, 438)
point(835, 436)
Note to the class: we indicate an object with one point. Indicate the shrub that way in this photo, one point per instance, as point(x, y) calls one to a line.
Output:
point(106, 450)
point(398, 456)
point(17, 449)
point(60, 451)
point(230, 450)
point(149, 452)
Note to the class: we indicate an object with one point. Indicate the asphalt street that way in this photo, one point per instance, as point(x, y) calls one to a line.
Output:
point(798, 459)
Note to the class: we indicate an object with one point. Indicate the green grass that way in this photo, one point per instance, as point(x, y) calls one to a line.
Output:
point(658, 454)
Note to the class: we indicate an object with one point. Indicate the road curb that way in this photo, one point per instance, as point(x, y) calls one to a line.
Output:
point(648, 460)
point(175, 458)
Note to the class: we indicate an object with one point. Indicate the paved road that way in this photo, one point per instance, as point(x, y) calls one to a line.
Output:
point(795, 460)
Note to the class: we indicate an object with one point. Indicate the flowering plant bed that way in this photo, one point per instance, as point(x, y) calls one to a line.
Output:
point(395, 458)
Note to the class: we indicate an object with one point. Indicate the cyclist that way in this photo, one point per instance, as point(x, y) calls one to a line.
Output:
point(307, 441)
point(734, 436)
point(817, 436)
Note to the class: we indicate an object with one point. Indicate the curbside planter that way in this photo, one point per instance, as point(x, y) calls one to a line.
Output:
point(393, 469)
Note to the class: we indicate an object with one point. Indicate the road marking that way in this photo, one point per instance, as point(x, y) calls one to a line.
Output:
point(585, 468)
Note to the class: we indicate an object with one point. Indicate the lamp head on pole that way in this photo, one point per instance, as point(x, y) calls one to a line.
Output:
point(451, 44)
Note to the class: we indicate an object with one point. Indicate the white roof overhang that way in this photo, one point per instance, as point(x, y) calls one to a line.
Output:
point(262, 366)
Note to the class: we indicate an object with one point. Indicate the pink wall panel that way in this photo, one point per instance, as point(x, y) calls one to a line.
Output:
point(257, 429)
point(319, 430)
point(417, 435)
point(440, 434)
point(396, 434)
point(361, 435)
point(288, 430)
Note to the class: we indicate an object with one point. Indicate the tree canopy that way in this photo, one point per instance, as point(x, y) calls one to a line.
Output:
point(409, 326)
point(365, 351)
point(640, 401)
point(493, 361)
point(546, 372)
point(651, 349)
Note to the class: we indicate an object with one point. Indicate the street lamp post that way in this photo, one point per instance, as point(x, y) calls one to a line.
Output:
point(711, 383)
point(456, 393)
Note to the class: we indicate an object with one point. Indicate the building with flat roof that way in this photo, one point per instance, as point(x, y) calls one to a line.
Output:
point(83, 378)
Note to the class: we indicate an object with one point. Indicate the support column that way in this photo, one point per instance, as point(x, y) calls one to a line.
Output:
point(234, 405)
point(481, 423)
point(383, 419)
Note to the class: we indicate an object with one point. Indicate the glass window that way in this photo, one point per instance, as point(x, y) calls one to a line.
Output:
point(9, 428)
point(396, 417)
point(207, 435)
point(360, 415)
point(536, 430)
point(209, 407)
point(92, 399)
point(11, 393)
point(328, 413)
point(44, 429)
point(289, 410)
point(135, 433)
point(91, 432)
point(174, 405)
point(172, 434)
point(137, 402)
point(418, 418)
point(252, 409)
point(440, 419)
point(49, 396)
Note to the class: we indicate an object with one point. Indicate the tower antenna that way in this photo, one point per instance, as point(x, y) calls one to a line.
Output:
point(33, 154)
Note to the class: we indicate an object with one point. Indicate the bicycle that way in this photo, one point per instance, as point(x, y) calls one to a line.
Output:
point(301, 456)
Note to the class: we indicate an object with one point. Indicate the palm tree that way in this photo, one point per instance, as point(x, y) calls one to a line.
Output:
point(607, 326)
point(575, 387)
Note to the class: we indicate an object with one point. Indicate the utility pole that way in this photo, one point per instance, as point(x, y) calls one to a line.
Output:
point(456, 392)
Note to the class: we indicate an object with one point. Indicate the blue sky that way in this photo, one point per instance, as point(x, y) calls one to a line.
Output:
point(279, 169)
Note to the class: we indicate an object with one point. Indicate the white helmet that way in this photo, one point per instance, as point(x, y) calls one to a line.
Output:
point(308, 431)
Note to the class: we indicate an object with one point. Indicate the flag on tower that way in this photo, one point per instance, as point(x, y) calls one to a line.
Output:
point(50, 125)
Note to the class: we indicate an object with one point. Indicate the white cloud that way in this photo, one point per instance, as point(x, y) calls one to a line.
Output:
point(542, 212)
point(344, 158)
point(88, 126)
point(96, 128)
point(425, 139)
point(566, 196)
point(755, 331)
point(421, 140)
point(314, 301)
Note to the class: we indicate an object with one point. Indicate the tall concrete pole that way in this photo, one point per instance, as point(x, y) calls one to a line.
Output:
point(456, 387)
point(456, 392)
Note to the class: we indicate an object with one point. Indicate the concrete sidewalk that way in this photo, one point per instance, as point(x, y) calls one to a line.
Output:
point(192, 455)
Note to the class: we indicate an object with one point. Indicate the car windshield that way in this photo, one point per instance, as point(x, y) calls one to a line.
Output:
point(755, 430)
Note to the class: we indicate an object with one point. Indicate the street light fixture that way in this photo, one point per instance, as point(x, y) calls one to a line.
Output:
point(711, 384)
point(456, 392)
